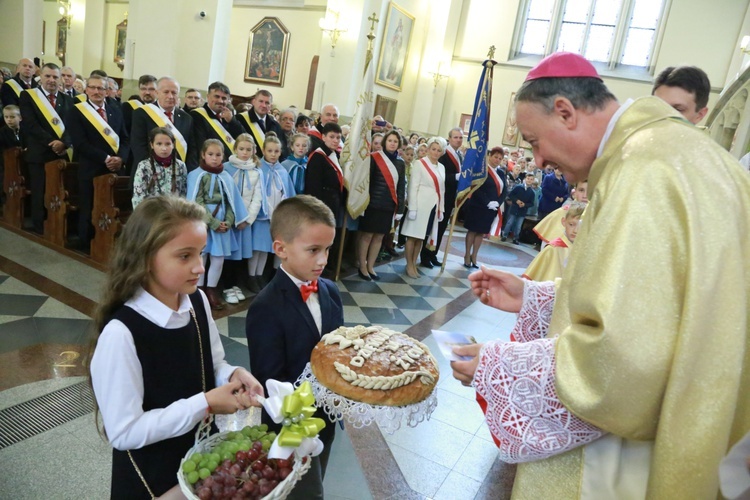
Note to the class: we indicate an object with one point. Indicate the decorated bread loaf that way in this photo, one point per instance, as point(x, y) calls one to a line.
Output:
point(375, 365)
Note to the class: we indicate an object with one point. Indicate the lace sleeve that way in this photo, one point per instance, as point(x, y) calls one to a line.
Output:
point(523, 411)
point(536, 311)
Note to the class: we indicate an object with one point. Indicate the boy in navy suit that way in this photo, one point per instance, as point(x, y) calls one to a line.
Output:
point(288, 317)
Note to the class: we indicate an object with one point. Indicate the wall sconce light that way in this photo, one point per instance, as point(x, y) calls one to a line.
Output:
point(330, 25)
point(438, 75)
point(65, 11)
point(744, 44)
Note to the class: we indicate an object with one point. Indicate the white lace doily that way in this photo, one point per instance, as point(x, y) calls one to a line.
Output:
point(359, 414)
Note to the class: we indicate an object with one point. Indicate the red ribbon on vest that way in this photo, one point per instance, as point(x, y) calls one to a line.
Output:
point(454, 159)
point(495, 178)
point(380, 161)
point(437, 183)
point(335, 167)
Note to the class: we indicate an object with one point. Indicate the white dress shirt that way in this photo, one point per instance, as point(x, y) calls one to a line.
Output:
point(313, 301)
point(117, 378)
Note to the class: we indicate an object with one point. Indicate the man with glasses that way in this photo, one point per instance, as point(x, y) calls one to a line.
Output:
point(100, 142)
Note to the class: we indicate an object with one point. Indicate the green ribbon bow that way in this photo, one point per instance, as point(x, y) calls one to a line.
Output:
point(298, 410)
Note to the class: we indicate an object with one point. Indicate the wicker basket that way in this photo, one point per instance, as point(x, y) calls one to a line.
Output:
point(281, 491)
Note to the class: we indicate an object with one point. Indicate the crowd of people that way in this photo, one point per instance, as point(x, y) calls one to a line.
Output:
point(606, 358)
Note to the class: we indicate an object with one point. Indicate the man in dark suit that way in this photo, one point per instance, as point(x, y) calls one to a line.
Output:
point(43, 111)
point(193, 100)
point(10, 92)
point(68, 79)
point(329, 113)
point(213, 121)
point(100, 143)
point(163, 113)
point(452, 161)
point(146, 95)
point(288, 317)
point(257, 122)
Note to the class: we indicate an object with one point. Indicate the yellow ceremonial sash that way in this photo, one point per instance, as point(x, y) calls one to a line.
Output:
point(161, 120)
point(223, 134)
point(47, 110)
point(135, 104)
point(100, 125)
point(15, 86)
point(258, 134)
point(82, 97)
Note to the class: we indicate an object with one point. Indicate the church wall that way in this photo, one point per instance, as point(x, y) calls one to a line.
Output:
point(304, 43)
point(694, 34)
point(114, 14)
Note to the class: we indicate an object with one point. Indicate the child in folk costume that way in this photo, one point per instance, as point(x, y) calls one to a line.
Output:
point(162, 173)
point(484, 208)
point(426, 202)
point(214, 189)
point(158, 365)
point(549, 228)
point(276, 186)
point(296, 163)
point(551, 261)
point(244, 167)
point(386, 201)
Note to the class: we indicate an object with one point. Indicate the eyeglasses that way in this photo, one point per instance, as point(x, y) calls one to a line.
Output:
point(97, 89)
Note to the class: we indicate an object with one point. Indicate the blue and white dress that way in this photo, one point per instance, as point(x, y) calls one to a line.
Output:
point(212, 191)
point(277, 186)
point(248, 178)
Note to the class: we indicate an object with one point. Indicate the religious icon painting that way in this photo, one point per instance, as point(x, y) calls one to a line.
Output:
point(394, 51)
point(267, 52)
point(62, 38)
point(121, 34)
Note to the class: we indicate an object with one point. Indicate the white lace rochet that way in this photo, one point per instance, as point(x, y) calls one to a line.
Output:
point(524, 413)
point(536, 311)
point(388, 418)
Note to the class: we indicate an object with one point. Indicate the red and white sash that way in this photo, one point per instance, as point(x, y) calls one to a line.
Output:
point(497, 225)
point(496, 178)
point(454, 158)
point(432, 241)
point(333, 161)
point(390, 174)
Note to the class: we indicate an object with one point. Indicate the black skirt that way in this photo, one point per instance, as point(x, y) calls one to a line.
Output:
point(376, 221)
point(478, 219)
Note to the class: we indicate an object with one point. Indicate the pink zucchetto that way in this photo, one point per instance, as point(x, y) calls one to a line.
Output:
point(563, 65)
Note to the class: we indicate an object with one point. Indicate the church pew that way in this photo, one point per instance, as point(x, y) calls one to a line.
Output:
point(60, 199)
point(112, 207)
point(15, 187)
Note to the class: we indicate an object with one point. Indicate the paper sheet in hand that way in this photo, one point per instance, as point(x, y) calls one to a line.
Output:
point(447, 340)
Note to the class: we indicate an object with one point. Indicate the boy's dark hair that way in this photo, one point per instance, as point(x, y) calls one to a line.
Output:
point(220, 87)
point(689, 78)
point(144, 79)
point(293, 213)
point(330, 127)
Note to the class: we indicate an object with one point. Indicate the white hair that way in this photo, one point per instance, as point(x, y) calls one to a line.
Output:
point(440, 142)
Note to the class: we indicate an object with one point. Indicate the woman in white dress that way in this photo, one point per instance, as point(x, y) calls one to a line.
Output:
point(426, 202)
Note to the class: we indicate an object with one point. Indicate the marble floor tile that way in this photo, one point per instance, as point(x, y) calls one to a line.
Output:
point(344, 477)
point(381, 316)
point(422, 474)
point(458, 412)
point(55, 309)
point(15, 287)
point(457, 487)
point(421, 440)
point(372, 300)
point(477, 459)
point(398, 289)
point(353, 314)
point(415, 316)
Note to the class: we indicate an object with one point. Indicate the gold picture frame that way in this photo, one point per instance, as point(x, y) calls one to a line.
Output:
point(121, 36)
point(61, 42)
point(385, 107)
point(510, 131)
point(267, 51)
point(394, 53)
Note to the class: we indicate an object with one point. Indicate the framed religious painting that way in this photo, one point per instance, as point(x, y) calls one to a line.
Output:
point(121, 35)
point(394, 51)
point(267, 52)
point(465, 123)
point(385, 107)
point(510, 132)
point(62, 38)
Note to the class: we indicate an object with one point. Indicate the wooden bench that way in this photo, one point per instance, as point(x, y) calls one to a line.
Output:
point(60, 199)
point(111, 209)
point(15, 186)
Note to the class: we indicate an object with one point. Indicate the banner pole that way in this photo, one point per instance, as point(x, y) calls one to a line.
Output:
point(341, 251)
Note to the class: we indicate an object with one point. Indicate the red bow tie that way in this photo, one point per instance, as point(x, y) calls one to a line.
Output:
point(306, 290)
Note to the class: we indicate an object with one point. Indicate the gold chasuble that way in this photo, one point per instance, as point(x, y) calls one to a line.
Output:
point(652, 314)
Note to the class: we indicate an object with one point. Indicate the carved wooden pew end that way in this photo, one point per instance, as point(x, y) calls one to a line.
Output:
point(112, 207)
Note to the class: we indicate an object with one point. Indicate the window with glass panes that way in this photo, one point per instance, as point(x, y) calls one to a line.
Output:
point(616, 32)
